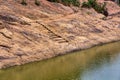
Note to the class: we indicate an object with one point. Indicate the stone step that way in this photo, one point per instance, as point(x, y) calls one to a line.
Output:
point(62, 41)
point(57, 39)
point(54, 36)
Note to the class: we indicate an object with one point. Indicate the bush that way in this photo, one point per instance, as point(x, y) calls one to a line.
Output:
point(86, 5)
point(37, 2)
point(24, 2)
point(100, 8)
point(67, 2)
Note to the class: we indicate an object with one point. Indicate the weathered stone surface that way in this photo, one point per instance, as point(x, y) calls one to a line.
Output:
point(50, 30)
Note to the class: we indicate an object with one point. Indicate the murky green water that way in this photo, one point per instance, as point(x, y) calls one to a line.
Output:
point(98, 63)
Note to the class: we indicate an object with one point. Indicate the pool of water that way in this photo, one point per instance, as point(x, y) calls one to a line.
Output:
point(98, 63)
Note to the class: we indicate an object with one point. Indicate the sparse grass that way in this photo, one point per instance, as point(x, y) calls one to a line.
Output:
point(89, 13)
point(67, 2)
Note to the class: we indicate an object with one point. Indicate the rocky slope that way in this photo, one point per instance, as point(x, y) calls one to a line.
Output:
point(32, 33)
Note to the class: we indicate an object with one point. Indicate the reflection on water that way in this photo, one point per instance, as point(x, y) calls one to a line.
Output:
point(105, 72)
point(98, 63)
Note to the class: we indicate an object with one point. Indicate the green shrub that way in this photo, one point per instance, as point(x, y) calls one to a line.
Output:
point(86, 5)
point(24, 2)
point(100, 8)
point(37, 2)
point(67, 2)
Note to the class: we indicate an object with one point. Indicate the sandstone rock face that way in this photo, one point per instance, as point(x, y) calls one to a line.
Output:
point(31, 33)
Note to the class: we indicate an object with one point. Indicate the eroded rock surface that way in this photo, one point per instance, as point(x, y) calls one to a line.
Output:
point(31, 33)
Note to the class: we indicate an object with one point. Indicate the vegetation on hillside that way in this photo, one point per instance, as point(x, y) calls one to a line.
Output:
point(100, 8)
point(23, 2)
point(67, 2)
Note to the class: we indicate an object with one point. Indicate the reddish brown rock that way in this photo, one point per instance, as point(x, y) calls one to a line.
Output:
point(32, 33)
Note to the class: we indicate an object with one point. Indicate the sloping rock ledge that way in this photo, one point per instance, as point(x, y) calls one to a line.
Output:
point(24, 39)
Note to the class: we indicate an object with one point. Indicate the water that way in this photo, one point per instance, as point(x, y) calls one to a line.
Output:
point(98, 63)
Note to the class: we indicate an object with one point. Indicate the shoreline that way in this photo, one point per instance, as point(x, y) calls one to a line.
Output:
point(67, 53)
point(64, 53)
